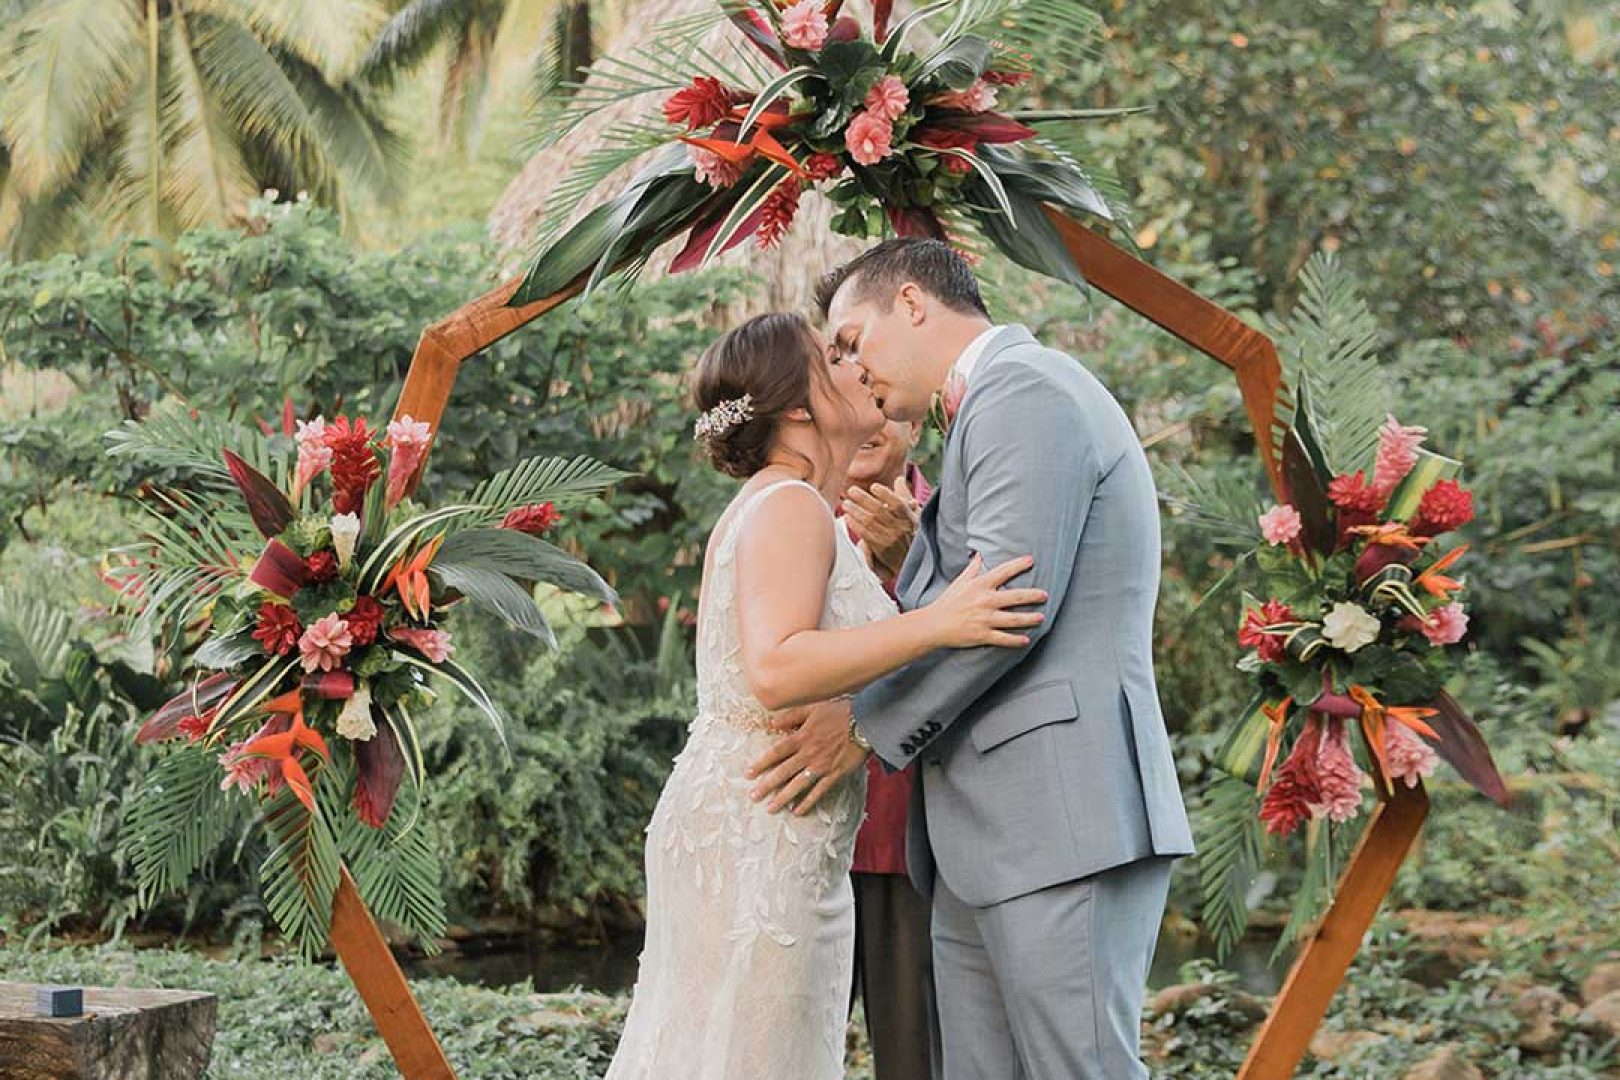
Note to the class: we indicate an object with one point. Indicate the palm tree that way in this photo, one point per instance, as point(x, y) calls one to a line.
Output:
point(482, 39)
point(151, 116)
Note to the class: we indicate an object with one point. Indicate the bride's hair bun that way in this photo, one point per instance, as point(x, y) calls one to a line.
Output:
point(745, 382)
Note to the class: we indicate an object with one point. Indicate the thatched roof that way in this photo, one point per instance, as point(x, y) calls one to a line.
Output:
point(787, 274)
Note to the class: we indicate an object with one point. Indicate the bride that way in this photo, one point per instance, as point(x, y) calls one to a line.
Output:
point(750, 922)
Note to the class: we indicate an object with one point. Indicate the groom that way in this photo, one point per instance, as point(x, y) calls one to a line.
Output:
point(1047, 811)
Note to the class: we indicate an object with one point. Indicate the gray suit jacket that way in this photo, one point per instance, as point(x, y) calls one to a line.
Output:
point(1047, 764)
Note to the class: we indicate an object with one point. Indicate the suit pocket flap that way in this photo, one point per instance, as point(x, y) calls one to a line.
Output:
point(1048, 703)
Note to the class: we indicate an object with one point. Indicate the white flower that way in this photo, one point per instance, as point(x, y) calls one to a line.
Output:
point(345, 530)
point(1349, 627)
point(355, 722)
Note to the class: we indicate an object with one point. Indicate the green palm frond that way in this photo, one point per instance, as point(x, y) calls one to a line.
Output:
point(1225, 507)
point(170, 437)
point(622, 145)
point(1058, 35)
point(350, 123)
point(34, 640)
point(493, 592)
point(1331, 367)
point(397, 872)
point(1316, 885)
point(663, 67)
point(64, 67)
point(329, 35)
point(410, 35)
point(299, 876)
point(206, 174)
point(1230, 852)
point(174, 822)
point(539, 480)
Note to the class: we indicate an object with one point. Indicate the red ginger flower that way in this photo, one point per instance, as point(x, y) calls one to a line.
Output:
point(534, 519)
point(354, 463)
point(322, 566)
point(1251, 635)
point(1444, 507)
point(705, 102)
point(364, 619)
point(823, 166)
point(278, 630)
point(1354, 494)
point(778, 212)
point(1297, 788)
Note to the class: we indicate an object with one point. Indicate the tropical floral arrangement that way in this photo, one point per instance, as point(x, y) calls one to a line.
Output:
point(913, 138)
point(309, 611)
point(1355, 618)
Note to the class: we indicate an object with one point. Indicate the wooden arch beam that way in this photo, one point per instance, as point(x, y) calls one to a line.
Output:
point(1324, 958)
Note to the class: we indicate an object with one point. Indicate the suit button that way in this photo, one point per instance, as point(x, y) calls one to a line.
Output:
point(905, 748)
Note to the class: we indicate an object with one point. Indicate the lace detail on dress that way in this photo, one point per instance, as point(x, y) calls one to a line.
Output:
point(750, 920)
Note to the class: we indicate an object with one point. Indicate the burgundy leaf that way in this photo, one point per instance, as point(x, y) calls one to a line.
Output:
point(881, 10)
point(381, 767)
point(279, 570)
point(703, 235)
point(986, 127)
point(193, 701)
point(757, 30)
point(1304, 491)
point(1462, 746)
point(267, 503)
point(844, 29)
point(331, 685)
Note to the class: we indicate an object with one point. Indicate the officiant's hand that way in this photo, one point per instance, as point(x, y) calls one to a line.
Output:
point(885, 518)
point(814, 754)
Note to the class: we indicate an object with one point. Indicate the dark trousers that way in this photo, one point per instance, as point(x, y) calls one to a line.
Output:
point(894, 977)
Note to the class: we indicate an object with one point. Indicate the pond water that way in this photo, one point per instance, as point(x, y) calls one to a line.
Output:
point(610, 967)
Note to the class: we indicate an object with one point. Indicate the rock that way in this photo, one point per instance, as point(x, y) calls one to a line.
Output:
point(1174, 999)
point(1604, 980)
point(1603, 1015)
point(1332, 1045)
point(1446, 1063)
point(1539, 1011)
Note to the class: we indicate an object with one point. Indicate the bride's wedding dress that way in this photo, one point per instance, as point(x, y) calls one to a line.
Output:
point(750, 917)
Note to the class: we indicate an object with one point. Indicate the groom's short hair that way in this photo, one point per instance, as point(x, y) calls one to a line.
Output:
point(879, 272)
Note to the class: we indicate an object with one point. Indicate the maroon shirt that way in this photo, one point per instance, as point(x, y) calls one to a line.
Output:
point(880, 846)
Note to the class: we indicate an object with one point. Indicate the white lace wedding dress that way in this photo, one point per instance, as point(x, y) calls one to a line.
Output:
point(750, 917)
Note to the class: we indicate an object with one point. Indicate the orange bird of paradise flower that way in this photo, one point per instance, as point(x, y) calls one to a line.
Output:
point(1374, 713)
point(283, 748)
point(761, 141)
point(1278, 715)
point(1434, 579)
point(1391, 534)
point(409, 576)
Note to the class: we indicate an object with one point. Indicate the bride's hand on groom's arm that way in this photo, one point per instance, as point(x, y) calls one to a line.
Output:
point(813, 755)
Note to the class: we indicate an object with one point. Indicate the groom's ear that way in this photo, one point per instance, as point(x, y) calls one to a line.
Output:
point(912, 302)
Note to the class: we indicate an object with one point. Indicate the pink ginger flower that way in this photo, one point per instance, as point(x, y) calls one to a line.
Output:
point(1397, 453)
point(1339, 778)
point(978, 98)
point(1445, 625)
point(433, 644)
point(869, 138)
point(407, 441)
point(325, 643)
point(1280, 524)
point(805, 26)
point(314, 456)
point(712, 169)
point(1409, 757)
point(888, 98)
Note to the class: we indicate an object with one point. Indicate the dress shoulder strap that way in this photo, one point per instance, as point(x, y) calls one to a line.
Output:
point(734, 528)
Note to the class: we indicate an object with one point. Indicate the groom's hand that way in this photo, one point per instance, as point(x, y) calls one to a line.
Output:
point(814, 755)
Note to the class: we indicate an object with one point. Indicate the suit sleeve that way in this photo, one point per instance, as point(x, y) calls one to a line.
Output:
point(1031, 472)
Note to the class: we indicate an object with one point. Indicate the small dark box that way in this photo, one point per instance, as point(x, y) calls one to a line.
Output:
point(60, 1001)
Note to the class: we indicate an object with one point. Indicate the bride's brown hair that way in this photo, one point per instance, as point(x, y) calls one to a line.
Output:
point(770, 359)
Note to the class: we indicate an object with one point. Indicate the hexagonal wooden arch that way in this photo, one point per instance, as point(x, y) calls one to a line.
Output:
point(1326, 953)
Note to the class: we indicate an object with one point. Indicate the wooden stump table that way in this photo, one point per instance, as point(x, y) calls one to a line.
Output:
point(122, 1035)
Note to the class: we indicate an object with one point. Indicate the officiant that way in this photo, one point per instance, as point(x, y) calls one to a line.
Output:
point(893, 954)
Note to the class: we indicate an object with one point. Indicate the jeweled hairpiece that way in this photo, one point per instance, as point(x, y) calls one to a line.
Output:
point(723, 417)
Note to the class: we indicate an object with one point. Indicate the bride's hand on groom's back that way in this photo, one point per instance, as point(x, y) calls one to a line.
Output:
point(978, 610)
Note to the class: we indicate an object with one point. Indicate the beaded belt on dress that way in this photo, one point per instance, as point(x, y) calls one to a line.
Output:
point(746, 717)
